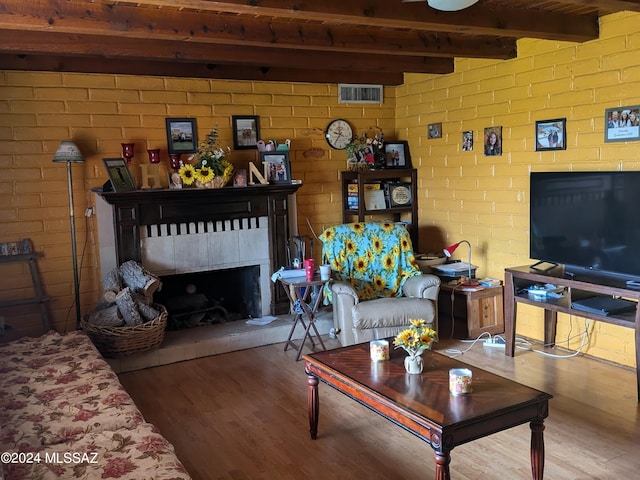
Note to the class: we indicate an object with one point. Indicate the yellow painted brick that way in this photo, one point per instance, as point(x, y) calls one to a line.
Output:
point(33, 133)
point(278, 111)
point(34, 79)
point(273, 89)
point(134, 82)
point(88, 80)
point(231, 87)
point(92, 107)
point(109, 120)
point(208, 98)
point(283, 100)
point(15, 119)
point(188, 84)
point(143, 108)
point(313, 89)
point(257, 99)
point(194, 111)
point(39, 106)
point(42, 93)
point(75, 120)
point(152, 96)
point(601, 47)
point(110, 95)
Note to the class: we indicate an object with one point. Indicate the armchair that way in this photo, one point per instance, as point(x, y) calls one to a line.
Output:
point(378, 286)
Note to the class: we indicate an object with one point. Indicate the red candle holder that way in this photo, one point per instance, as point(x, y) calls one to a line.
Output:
point(174, 159)
point(128, 151)
point(154, 155)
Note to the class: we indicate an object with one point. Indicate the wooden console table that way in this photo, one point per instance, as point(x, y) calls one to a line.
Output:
point(576, 287)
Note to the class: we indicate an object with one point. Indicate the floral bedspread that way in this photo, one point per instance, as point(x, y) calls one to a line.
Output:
point(64, 414)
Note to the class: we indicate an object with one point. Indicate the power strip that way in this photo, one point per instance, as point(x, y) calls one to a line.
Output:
point(494, 342)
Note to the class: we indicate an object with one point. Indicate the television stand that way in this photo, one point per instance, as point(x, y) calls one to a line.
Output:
point(518, 279)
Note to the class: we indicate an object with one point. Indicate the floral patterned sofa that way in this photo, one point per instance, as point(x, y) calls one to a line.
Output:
point(64, 414)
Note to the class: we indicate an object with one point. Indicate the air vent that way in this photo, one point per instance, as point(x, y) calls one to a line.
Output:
point(357, 93)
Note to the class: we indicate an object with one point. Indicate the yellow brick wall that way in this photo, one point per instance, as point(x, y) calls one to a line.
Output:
point(466, 195)
point(99, 112)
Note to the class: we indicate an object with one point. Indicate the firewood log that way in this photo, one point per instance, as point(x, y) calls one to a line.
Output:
point(108, 317)
point(128, 307)
point(147, 312)
point(138, 279)
point(111, 285)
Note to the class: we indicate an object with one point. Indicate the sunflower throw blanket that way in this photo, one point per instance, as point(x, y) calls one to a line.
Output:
point(374, 258)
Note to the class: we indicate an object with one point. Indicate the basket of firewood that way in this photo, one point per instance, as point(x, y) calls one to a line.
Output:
point(123, 341)
point(126, 321)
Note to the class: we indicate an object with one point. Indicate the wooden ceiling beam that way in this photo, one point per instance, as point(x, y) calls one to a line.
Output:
point(189, 26)
point(185, 52)
point(54, 63)
point(505, 21)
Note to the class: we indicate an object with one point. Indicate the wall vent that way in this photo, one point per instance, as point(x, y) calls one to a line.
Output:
point(359, 93)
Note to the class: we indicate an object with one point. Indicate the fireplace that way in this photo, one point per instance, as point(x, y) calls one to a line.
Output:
point(173, 232)
point(212, 297)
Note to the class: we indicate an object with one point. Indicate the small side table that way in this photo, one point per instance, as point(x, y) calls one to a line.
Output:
point(473, 312)
point(299, 288)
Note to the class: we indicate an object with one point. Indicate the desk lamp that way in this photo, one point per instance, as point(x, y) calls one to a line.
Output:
point(68, 152)
point(452, 248)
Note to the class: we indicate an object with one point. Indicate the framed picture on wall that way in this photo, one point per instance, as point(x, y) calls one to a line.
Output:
point(493, 141)
point(119, 174)
point(397, 154)
point(246, 132)
point(467, 141)
point(182, 135)
point(277, 166)
point(434, 130)
point(622, 124)
point(550, 134)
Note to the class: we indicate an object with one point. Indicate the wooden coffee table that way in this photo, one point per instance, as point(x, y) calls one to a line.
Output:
point(422, 403)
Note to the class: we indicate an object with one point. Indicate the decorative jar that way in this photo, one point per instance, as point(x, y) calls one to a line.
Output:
point(413, 364)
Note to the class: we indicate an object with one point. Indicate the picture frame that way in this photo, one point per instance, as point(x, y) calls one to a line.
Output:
point(246, 131)
point(397, 154)
point(492, 141)
point(551, 134)
point(119, 175)
point(434, 130)
point(622, 124)
point(175, 181)
point(277, 166)
point(467, 141)
point(240, 178)
point(399, 194)
point(182, 135)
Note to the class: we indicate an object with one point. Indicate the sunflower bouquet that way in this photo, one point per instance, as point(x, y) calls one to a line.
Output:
point(417, 338)
point(210, 167)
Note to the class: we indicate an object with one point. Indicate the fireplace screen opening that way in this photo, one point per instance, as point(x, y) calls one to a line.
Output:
point(212, 297)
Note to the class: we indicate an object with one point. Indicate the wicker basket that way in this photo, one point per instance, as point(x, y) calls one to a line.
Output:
point(118, 342)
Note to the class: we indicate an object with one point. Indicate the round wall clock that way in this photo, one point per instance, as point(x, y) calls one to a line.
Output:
point(339, 134)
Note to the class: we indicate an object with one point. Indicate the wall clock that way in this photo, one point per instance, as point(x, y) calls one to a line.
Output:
point(400, 195)
point(339, 134)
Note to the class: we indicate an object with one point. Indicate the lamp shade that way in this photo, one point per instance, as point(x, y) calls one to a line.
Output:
point(450, 5)
point(451, 248)
point(68, 152)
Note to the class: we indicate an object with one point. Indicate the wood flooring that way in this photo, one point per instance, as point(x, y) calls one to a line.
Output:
point(243, 416)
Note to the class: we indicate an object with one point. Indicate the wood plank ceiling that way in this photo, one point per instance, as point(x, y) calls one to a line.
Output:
point(329, 41)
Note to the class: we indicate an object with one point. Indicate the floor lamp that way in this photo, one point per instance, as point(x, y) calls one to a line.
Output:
point(68, 152)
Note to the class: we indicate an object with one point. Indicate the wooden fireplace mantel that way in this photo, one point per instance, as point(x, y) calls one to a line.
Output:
point(131, 210)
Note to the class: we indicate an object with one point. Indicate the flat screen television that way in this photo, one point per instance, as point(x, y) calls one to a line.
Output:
point(588, 221)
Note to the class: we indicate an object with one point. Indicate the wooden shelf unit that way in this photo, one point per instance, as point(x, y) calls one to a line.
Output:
point(397, 214)
point(39, 297)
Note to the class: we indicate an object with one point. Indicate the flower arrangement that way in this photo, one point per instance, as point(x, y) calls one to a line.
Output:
point(366, 151)
point(417, 338)
point(211, 167)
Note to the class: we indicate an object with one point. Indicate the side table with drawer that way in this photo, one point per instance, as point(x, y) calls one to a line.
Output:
point(472, 312)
